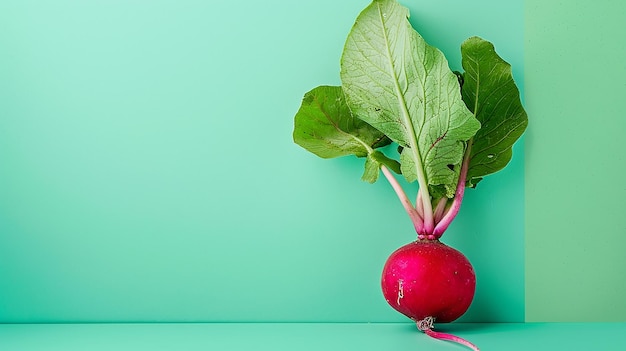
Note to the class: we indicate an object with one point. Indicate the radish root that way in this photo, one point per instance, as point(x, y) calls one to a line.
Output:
point(427, 324)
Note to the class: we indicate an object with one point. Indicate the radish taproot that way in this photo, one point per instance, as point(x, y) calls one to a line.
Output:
point(451, 129)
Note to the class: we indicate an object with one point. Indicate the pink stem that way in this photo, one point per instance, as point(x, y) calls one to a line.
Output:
point(419, 203)
point(427, 210)
point(417, 220)
point(450, 337)
point(419, 206)
point(440, 209)
point(441, 227)
point(426, 233)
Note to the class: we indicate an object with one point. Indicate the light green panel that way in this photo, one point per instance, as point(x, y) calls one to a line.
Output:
point(147, 171)
point(576, 87)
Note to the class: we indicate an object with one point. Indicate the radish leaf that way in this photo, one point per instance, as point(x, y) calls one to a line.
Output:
point(403, 87)
point(491, 94)
point(325, 126)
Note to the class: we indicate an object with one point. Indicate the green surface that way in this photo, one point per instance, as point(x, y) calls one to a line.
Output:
point(575, 224)
point(319, 336)
point(148, 174)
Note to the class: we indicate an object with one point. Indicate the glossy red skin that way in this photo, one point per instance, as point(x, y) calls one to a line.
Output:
point(435, 279)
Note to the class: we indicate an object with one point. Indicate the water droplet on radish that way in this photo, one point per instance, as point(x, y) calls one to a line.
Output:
point(490, 156)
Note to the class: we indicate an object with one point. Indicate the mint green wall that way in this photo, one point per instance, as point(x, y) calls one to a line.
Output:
point(147, 171)
point(575, 225)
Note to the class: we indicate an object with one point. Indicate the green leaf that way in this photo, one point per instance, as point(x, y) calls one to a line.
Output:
point(371, 172)
point(491, 94)
point(384, 160)
point(436, 191)
point(325, 126)
point(407, 165)
point(403, 87)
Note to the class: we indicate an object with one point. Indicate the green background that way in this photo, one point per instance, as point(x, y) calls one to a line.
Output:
point(147, 171)
point(575, 222)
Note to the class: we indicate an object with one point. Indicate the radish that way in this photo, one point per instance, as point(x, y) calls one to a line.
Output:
point(429, 281)
point(427, 278)
point(451, 129)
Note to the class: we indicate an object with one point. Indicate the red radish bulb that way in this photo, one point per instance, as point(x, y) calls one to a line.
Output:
point(428, 279)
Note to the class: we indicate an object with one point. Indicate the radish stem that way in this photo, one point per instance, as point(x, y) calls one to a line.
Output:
point(440, 209)
point(441, 227)
point(419, 205)
point(417, 220)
